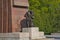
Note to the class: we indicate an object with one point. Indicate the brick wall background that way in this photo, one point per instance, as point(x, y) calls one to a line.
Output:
point(11, 14)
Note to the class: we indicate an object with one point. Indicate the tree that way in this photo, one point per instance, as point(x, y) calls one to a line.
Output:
point(47, 14)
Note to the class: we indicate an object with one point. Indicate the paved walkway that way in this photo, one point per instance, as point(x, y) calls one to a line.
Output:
point(56, 37)
point(45, 39)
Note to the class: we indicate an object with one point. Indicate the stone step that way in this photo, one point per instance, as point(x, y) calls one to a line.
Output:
point(41, 33)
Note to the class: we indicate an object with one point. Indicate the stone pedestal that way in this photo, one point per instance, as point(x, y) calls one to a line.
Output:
point(14, 36)
point(34, 32)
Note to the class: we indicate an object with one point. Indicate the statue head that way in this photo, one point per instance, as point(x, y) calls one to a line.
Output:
point(31, 12)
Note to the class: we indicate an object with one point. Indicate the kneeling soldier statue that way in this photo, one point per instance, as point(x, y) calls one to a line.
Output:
point(29, 19)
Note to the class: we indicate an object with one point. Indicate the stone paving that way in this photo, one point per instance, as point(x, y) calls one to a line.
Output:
point(45, 39)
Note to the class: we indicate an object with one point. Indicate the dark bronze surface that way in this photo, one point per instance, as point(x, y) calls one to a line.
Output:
point(29, 18)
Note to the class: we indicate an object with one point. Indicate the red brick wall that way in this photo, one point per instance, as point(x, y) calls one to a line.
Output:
point(0, 15)
point(18, 14)
point(10, 17)
point(17, 17)
point(5, 10)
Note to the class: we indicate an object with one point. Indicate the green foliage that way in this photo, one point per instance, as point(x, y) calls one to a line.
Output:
point(47, 14)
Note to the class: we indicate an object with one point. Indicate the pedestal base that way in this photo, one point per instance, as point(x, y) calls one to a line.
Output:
point(34, 32)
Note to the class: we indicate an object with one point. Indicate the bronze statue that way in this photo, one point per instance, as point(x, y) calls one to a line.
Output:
point(29, 19)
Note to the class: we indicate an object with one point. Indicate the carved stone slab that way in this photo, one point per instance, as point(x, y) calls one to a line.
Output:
point(21, 3)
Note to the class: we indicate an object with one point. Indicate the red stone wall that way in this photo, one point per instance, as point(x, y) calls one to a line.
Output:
point(18, 12)
point(10, 16)
point(0, 15)
point(17, 17)
point(5, 17)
